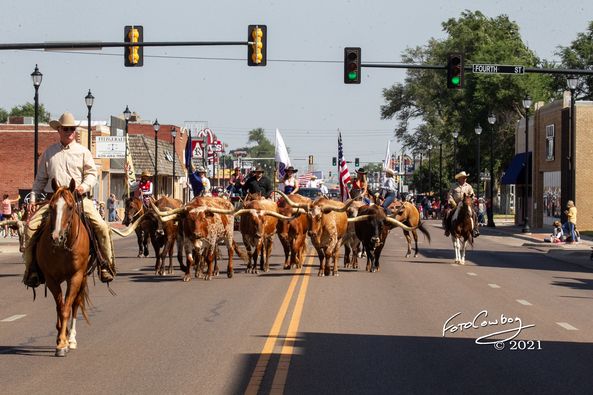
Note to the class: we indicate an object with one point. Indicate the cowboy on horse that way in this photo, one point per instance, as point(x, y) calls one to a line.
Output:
point(454, 197)
point(145, 188)
point(63, 162)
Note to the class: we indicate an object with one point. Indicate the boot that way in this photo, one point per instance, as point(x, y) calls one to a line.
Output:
point(106, 272)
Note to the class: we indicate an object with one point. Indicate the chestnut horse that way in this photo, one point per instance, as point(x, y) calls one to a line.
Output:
point(62, 254)
point(408, 214)
point(134, 209)
point(462, 225)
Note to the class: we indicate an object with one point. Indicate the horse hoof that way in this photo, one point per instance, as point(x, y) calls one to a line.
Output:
point(186, 278)
point(72, 346)
point(61, 352)
point(408, 255)
point(229, 274)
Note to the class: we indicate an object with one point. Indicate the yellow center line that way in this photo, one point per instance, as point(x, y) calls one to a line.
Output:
point(287, 351)
point(264, 357)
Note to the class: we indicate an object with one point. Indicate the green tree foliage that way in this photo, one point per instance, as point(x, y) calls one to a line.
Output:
point(424, 100)
point(3, 115)
point(28, 110)
point(258, 146)
point(579, 55)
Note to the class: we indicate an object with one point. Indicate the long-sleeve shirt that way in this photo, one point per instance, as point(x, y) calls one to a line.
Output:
point(262, 186)
point(389, 185)
point(456, 193)
point(64, 163)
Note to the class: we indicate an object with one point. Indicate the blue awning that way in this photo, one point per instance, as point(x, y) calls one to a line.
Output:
point(515, 173)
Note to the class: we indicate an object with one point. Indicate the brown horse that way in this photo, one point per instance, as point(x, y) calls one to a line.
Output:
point(407, 213)
point(462, 225)
point(62, 254)
point(134, 209)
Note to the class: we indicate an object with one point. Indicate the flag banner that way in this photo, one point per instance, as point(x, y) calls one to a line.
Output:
point(130, 165)
point(304, 179)
point(188, 151)
point(343, 173)
point(281, 155)
point(387, 160)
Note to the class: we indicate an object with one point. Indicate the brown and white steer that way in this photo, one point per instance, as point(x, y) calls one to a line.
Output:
point(293, 234)
point(166, 236)
point(257, 228)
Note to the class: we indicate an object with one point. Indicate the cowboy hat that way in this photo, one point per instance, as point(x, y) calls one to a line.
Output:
point(461, 174)
point(66, 119)
point(313, 177)
point(361, 171)
point(390, 172)
point(200, 169)
point(290, 168)
point(259, 169)
point(145, 174)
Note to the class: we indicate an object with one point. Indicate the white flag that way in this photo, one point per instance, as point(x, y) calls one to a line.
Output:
point(281, 156)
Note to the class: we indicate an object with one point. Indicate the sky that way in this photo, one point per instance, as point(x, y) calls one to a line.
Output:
point(301, 90)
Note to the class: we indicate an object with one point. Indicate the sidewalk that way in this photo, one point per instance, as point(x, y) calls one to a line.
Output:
point(577, 253)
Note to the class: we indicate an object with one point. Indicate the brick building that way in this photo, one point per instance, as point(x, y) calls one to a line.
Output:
point(548, 170)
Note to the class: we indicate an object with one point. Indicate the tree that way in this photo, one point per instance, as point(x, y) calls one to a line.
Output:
point(28, 110)
point(3, 115)
point(424, 99)
point(261, 148)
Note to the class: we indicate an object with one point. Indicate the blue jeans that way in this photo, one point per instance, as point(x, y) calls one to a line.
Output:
point(568, 229)
point(389, 198)
point(112, 217)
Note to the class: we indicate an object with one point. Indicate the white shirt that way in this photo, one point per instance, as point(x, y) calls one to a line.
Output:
point(207, 186)
point(389, 185)
point(323, 189)
point(313, 184)
point(73, 161)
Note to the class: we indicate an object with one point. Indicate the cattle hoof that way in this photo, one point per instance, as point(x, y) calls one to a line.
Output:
point(229, 274)
point(407, 255)
point(320, 274)
point(139, 255)
point(61, 352)
point(207, 277)
point(287, 267)
point(335, 274)
point(186, 278)
point(415, 255)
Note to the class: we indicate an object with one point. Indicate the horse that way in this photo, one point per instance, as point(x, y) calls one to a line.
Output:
point(134, 209)
point(62, 254)
point(462, 225)
point(407, 213)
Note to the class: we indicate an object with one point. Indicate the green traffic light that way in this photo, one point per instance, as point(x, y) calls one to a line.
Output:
point(455, 80)
point(352, 75)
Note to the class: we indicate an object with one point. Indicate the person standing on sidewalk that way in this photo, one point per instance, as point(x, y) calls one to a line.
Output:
point(571, 223)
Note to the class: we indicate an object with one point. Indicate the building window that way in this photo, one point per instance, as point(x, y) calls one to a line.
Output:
point(549, 142)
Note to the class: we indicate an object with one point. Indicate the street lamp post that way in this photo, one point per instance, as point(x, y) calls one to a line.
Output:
point(156, 126)
point(455, 136)
point(127, 115)
point(173, 134)
point(478, 131)
point(37, 77)
point(89, 99)
point(440, 171)
point(572, 83)
point(429, 170)
point(490, 209)
point(526, 227)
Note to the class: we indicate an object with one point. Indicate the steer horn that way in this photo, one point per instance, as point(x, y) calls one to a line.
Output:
point(166, 213)
point(395, 222)
point(360, 218)
point(280, 216)
point(130, 229)
point(293, 204)
point(348, 203)
point(222, 211)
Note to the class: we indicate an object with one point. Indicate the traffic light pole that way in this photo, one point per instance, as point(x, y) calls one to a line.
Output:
point(82, 45)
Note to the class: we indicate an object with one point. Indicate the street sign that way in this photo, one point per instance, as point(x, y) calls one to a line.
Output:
point(113, 147)
point(497, 69)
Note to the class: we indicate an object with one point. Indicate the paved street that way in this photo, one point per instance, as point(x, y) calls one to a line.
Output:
point(395, 331)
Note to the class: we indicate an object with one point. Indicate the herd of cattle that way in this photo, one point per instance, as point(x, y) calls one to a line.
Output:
point(200, 226)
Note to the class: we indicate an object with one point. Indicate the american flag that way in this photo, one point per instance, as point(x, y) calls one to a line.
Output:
point(344, 174)
point(304, 179)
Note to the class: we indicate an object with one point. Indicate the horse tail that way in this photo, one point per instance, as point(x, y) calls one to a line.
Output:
point(424, 230)
point(82, 299)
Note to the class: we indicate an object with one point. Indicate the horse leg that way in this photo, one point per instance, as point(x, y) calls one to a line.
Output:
point(72, 289)
point(79, 301)
point(409, 241)
point(145, 243)
point(415, 233)
point(463, 246)
point(56, 291)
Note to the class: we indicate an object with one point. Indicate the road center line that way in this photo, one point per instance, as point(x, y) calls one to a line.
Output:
point(567, 326)
point(494, 285)
point(268, 348)
point(471, 274)
point(286, 353)
point(14, 317)
point(524, 302)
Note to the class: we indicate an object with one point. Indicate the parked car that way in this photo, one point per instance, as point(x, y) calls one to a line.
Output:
point(311, 193)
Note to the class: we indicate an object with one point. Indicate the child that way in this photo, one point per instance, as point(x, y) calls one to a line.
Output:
point(557, 235)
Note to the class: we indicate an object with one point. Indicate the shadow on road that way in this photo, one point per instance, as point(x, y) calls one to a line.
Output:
point(583, 284)
point(371, 364)
point(32, 351)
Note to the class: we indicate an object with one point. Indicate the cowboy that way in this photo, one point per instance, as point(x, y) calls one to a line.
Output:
point(144, 187)
point(313, 182)
point(258, 183)
point(64, 161)
point(200, 184)
point(388, 190)
point(454, 196)
point(360, 184)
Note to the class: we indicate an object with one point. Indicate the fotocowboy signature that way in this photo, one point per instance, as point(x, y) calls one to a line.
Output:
point(481, 321)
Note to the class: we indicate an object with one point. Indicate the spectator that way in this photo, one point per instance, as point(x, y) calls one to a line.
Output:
point(313, 182)
point(323, 188)
point(571, 223)
point(7, 210)
point(236, 182)
point(111, 208)
point(102, 210)
point(557, 235)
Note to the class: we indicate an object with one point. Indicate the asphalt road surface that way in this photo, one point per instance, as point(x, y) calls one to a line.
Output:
point(411, 328)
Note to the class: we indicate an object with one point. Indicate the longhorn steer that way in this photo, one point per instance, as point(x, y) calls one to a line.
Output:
point(372, 232)
point(257, 229)
point(408, 214)
point(293, 234)
point(166, 241)
point(351, 241)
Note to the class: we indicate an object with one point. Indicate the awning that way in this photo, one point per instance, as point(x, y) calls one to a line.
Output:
point(515, 173)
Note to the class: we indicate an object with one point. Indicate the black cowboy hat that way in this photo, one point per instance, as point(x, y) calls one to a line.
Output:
point(290, 168)
point(361, 171)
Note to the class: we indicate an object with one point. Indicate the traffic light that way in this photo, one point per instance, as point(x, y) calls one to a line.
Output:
point(356, 162)
point(351, 65)
point(334, 161)
point(133, 55)
point(310, 159)
point(257, 50)
point(455, 71)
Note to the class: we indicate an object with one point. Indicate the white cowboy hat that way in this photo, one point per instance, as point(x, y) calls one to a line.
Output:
point(461, 174)
point(390, 172)
point(66, 119)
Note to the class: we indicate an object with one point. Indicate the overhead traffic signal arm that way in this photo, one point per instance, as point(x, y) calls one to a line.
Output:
point(134, 54)
point(352, 67)
point(257, 51)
